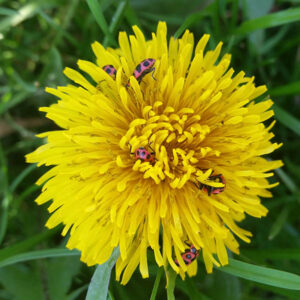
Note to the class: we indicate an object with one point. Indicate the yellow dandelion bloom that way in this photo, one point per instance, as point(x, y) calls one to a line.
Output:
point(168, 160)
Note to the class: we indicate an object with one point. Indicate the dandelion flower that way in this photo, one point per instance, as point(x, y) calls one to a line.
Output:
point(167, 161)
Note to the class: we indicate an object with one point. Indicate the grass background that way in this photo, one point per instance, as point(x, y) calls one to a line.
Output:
point(39, 38)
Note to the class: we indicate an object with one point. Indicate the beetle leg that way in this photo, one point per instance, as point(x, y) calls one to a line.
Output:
point(209, 190)
point(130, 148)
point(153, 152)
point(195, 185)
point(188, 244)
point(152, 70)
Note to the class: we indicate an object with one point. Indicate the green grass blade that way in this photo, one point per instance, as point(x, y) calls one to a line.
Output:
point(98, 15)
point(75, 294)
point(191, 19)
point(191, 289)
point(279, 222)
point(156, 283)
point(287, 180)
point(21, 176)
point(270, 44)
point(286, 119)
point(96, 10)
point(6, 194)
point(115, 21)
point(131, 16)
point(71, 10)
point(292, 88)
point(27, 244)
point(98, 287)
point(19, 16)
point(262, 275)
point(33, 255)
point(271, 20)
point(17, 99)
point(28, 191)
point(57, 27)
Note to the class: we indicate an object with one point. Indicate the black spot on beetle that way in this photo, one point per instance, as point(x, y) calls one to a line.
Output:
point(138, 68)
point(146, 63)
point(148, 156)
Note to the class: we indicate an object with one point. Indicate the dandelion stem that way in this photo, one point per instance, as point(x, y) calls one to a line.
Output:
point(156, 283)
point(171, 284)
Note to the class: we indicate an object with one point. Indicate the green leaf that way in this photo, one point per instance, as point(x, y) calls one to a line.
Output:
point(286, 119)
point(50, 280)
point(257, 8)
point(271, 20)
point(292, 88)
point(262, 274)
point(37, 255)
point(226, 287)
point(288, 294)
point(98, 287)
point(22, 283)
point(274, 254)
point(60, 272)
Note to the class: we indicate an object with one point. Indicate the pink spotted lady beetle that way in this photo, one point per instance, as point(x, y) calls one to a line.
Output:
point(110, 70)
point(143, 68)
point(189, 255)
point(144, 155)
point(210, 189)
